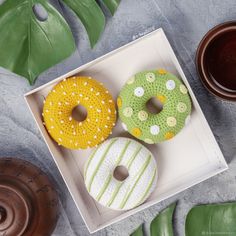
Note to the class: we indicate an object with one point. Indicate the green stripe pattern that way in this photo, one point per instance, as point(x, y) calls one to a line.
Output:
point(148, 188)
point(118, 194)
point(89, 161)
point(120, 184)
point(100, 163)
point(109, 178)
point(104, 188)
point(144, 167)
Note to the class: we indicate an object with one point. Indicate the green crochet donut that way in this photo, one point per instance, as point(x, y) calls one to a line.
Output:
point(146, 126)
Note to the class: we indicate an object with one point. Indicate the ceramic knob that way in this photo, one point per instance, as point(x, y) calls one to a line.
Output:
point(28, 200)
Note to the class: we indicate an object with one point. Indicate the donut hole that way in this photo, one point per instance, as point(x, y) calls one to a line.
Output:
point(3, 214)
point(121, 173)
point(154, 105)
point(79, 113)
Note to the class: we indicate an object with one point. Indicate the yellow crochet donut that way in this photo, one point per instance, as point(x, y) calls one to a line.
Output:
point(64, 97)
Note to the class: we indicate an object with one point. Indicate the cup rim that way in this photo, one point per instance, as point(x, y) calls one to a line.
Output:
point(200, 55)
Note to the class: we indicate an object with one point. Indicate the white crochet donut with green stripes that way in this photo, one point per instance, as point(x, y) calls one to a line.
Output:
point(110, 191)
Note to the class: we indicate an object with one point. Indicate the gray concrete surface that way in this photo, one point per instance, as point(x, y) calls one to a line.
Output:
point(185, 22)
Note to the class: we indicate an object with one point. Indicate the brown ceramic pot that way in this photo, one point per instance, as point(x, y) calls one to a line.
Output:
point(216, 61)
point(28, 201)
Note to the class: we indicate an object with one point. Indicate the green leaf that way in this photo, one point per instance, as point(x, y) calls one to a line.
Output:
point(90, 15)
point(138, 231)
point(213, 219)
point(162, 224)
point(112, 5)
point(29, 46)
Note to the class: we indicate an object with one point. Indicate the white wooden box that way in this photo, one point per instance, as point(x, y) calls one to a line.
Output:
point(191, 157)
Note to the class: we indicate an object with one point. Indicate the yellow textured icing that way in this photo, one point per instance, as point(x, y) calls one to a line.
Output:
point(136, 132)
point(162, 71)
point(119, 102)
point(161, 98)
point(65, 96)
point(169, 135)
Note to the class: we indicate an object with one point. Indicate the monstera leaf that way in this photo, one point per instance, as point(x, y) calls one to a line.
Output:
point(162, 224)
point(138, 231)
point(29, 46)
point(112, 5)
point(90, 15)
point(213, 219)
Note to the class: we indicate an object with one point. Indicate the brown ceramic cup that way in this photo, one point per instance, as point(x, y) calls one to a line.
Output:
point(29, 204)
point(216, 61)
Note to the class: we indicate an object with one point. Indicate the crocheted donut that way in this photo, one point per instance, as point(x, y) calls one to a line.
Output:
point(64, 97)
point(112, 192)
point(136, 118)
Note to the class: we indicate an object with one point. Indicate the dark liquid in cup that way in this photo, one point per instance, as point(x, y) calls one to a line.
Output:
point(220, 60)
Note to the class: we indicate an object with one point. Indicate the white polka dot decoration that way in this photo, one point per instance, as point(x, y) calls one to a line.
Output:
point(142, 115)
point(155, 129)
point(149, 141)
point(150, 77)
point(183, 89)
point(170, 85)
point(124, 126)
point(139, 92)
point(128, 111)
point(171, 121)
point(131, 80)
point(181, 107)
